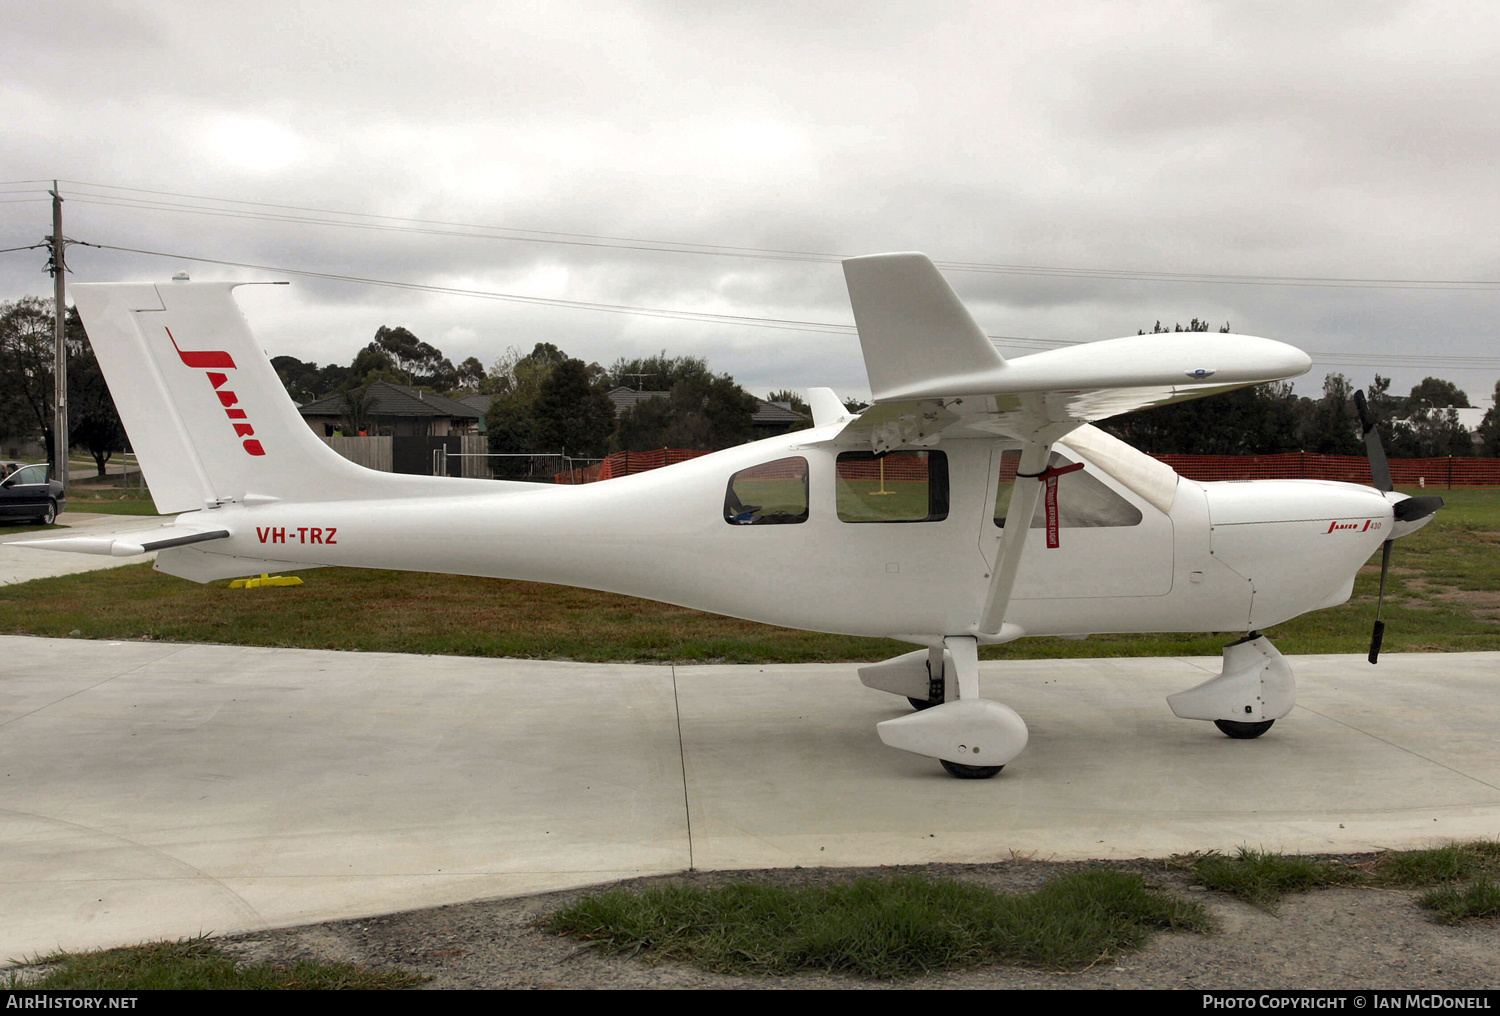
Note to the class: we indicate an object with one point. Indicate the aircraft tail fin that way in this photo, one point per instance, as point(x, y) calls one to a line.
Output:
point(207, 416)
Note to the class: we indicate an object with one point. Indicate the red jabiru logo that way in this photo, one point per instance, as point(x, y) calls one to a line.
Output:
point(214, 363)
point(1337, 526)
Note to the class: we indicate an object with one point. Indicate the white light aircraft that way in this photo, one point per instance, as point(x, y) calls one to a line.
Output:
point(898, 522)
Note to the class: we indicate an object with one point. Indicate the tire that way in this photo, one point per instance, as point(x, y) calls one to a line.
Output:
point(962, 772)
point(1243, 731)
point(50, 515)
point(920, 703)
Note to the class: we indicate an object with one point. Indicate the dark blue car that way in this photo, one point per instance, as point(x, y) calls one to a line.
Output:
point(27, 493)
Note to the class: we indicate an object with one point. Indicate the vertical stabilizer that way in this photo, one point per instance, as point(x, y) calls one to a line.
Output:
point(206, 414)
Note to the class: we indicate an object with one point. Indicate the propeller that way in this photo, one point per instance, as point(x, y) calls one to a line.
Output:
point(1412, 509)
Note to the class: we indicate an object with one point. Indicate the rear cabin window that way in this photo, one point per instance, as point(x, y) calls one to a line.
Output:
point(770, 494)
point(896, 487)
point(1083, 500)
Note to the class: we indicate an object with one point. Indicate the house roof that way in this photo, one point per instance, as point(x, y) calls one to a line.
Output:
point(479, 403)
point(393, 400)
point(775, 412)
point(765, 412)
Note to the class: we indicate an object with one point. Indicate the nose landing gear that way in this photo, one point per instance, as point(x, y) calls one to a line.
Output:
point(1253, 690)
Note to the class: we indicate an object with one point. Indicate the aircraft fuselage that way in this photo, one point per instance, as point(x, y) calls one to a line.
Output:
point(1227, 557)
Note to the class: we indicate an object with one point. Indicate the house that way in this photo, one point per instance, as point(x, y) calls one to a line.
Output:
point(397, 410)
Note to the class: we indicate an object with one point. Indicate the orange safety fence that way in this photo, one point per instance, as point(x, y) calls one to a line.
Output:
point(625, 463)
point(911, 466)
point(1448, 471)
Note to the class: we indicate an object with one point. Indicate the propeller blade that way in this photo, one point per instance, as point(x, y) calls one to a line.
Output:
point(1380, 470)
point(1414, 508)
point(1378, 635)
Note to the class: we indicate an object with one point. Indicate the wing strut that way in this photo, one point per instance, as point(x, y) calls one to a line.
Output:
point(1036, 451)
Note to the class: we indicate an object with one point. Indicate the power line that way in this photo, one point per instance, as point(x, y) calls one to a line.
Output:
point(659, 312)
point(465, 229)
point(534, 235)
point(423, 230)
point(1336, 359)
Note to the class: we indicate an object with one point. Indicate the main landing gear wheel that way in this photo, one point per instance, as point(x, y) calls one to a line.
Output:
point(1240, 731)
point(920, 703)
point(963, 772)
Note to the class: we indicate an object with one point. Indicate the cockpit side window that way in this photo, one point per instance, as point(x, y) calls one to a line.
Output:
point(770, 494)
point(896, 487)
point(1083, 500)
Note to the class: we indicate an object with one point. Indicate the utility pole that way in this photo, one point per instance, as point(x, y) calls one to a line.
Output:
point(58, 268)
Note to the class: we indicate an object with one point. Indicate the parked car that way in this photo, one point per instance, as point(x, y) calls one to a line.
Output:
point(27, 493)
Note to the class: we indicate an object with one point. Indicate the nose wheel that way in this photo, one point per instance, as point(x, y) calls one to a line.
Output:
point(962, 772)
point(1243, 731)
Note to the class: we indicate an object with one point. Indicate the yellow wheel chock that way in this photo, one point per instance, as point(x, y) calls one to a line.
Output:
point(266, 580)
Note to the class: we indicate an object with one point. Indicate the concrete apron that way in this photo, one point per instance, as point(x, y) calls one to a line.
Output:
point(153, 790)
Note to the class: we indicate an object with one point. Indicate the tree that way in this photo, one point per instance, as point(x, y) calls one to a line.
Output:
point(93, 421)
point(1430, 433)
point(26, 354)
point(1332, 428)
point(570, 414)
point(298, 378)
point(1259, 420)
point(26, 382)
point(516, 382)
point(470, 375)
point(373, 364)
point(658, 373)
point(418, 362)
point(702, 410)
point(1489, 427)
point(359, 411)
point(1435, 393)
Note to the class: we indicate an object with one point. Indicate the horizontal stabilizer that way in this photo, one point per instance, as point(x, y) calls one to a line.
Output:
point(128, 545)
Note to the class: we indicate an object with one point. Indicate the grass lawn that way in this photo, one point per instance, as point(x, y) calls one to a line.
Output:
point(192, 965)
point(108, 498)
point(883, 927)
point(112, 505)
point(1459, 877)
point(1444, 597)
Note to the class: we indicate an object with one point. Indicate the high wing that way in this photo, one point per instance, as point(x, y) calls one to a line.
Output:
point(932, 368)
point(933, 372)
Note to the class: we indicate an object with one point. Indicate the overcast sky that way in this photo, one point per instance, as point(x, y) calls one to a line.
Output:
point(1315, 140)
